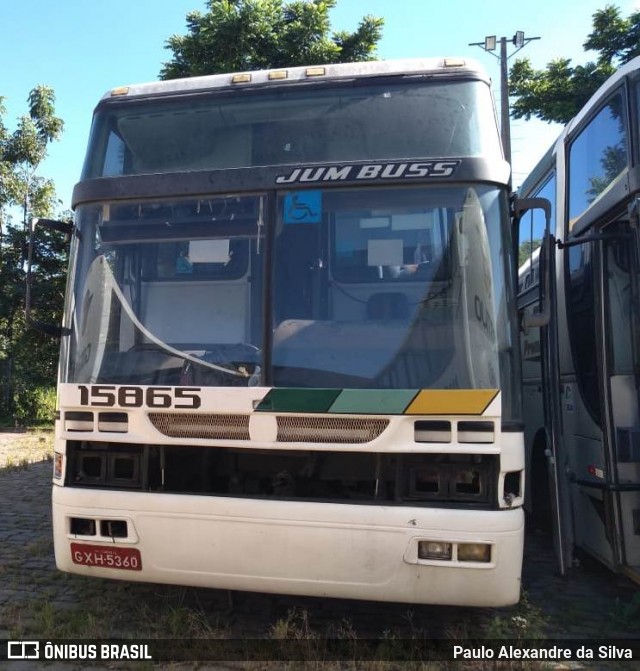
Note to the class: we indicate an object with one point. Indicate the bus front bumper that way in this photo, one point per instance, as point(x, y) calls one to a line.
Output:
point(368, 552)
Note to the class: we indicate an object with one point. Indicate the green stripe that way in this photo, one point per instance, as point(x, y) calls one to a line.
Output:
point(373, 401)
point(298, 400)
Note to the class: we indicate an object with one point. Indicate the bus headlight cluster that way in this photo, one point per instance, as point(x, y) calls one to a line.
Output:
point(462, 552)
point(105, 464)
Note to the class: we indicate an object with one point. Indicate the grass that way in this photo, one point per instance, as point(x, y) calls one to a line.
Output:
point(17, 451)
point(526, 622)
point(626, 615)
point(100, 609)
point(113, 610)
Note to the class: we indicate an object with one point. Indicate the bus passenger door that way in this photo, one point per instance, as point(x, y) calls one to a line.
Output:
point(548, 496)
point(621, 361)
point(602, 418)
point(555, 453)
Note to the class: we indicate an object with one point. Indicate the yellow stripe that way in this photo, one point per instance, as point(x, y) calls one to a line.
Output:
point(451, 402)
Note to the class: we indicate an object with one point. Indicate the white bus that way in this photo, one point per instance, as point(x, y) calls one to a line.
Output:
point(581, 408)
point(289, 354)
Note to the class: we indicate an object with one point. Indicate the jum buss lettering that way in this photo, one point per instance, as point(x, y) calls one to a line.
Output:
point(371, 171)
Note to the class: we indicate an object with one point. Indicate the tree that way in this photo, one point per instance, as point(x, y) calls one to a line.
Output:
point(236, 35)
point(557, 93)
point(27, 358)
point(526, 249)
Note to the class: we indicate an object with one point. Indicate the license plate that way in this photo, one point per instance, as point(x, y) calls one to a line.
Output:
point(100, 556)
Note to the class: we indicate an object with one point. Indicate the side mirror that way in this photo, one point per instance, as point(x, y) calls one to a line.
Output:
point(522, 205)
point(543, 315)
point(547, 249)
point(65, 227)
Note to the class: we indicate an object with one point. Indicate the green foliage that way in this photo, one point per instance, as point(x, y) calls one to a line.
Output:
point(527, 622)
point(28, 360)
point(616, 39)
point(526, 249)
point(613, 162)
point(626, 615)
point(557, 93)
point(236, 35)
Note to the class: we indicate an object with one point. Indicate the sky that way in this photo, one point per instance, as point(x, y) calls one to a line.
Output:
point(83, 48)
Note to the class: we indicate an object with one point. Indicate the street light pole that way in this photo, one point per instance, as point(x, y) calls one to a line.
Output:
point(489, 45)
point(505, 120)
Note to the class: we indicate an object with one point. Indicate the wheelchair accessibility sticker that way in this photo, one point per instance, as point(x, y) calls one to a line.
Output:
point(303, 207)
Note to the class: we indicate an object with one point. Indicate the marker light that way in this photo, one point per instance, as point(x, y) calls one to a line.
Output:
point(315, 72)
point(278, 74)
point(57, 465)
point(241, 79)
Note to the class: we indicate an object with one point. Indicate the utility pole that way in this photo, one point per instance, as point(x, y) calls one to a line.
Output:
point(519, 41)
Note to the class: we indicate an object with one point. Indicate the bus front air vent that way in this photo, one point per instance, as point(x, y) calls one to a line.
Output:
point(202, 425)
point(297, 429)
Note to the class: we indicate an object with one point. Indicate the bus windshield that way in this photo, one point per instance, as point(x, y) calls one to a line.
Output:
point(357, 121)
point(396, 288)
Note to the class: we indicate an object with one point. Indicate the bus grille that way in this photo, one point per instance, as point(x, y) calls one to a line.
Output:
point(293, 429)
point(201, 425)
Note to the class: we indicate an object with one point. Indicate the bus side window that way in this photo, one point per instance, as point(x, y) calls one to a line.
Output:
point(620, 272)
point(528, 246)
point(531, 231)
point(597, 156)
point(581, 314)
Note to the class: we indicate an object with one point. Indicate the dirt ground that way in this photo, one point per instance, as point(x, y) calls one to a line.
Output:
point(22, 447)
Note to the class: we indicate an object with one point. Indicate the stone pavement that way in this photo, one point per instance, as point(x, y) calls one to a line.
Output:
point(25, 533)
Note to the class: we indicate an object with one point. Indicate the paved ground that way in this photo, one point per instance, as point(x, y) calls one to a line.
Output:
point(38, 601)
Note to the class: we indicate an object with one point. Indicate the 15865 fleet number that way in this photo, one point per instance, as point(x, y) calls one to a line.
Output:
point(109, 395)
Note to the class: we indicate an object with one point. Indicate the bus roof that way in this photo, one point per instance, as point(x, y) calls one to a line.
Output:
point(337, 71)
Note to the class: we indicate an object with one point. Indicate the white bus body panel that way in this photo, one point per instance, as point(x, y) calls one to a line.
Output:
point(300, 548)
